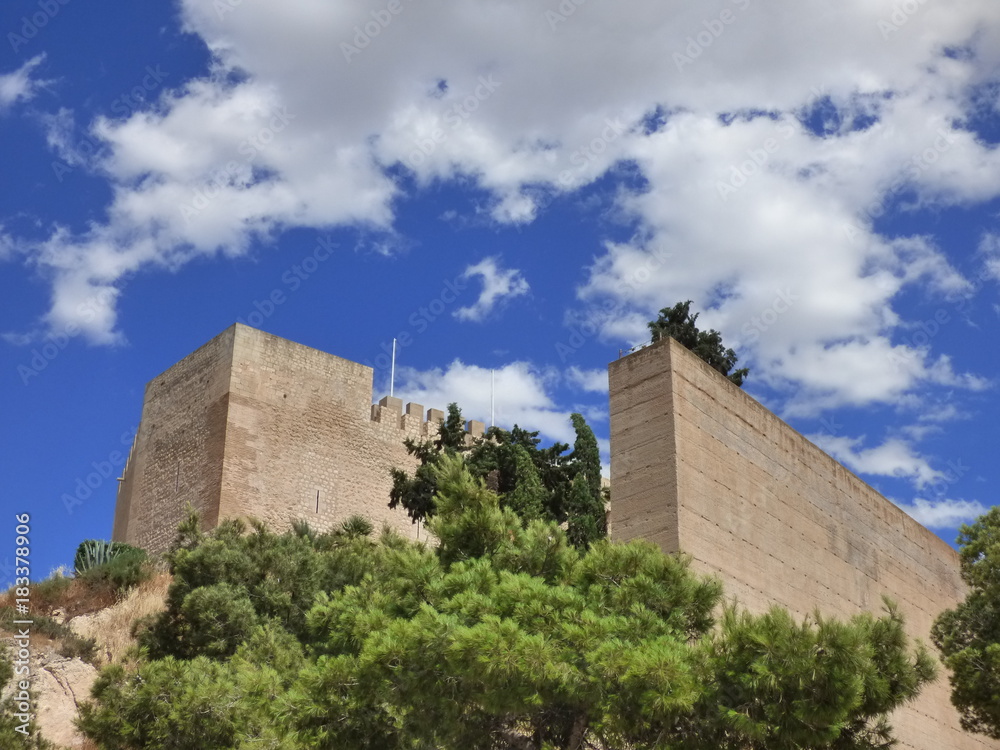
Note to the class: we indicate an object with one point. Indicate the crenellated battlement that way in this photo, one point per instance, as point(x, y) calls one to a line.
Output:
point(253, 425)
point(414, 422)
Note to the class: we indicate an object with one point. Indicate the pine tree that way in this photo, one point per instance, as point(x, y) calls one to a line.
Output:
point(678, 323)
point(969, 635)
point(502, 637)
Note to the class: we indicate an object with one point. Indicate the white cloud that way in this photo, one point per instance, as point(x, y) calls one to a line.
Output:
point(894, 458)
point(989, 248)
point(498, 285)
point(19, 86)
point(522, 395)
point(593, 381)
point(768, 226)
point(943, 514)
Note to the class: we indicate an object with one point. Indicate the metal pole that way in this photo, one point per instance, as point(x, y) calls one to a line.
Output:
point(492, 389)
point(392, 371)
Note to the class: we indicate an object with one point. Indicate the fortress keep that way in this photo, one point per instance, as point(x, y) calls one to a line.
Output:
point(254, 425)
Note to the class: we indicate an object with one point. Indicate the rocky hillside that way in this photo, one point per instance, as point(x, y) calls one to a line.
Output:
point(77, 630)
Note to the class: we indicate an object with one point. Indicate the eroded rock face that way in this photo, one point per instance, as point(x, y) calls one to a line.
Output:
point(58, 684)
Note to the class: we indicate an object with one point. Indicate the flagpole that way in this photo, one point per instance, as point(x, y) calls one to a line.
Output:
point(392, 371)
point(492, 391)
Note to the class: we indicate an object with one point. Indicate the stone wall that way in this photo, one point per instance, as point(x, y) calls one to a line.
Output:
point(178, 451)
point(699, 466)
point(253, 425)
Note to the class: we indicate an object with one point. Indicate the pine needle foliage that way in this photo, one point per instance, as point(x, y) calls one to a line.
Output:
point(678, 323)
point(537, 483)
point(968, 636)
point(503, 636)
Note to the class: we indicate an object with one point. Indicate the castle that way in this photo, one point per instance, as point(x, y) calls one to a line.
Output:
point(254, 425)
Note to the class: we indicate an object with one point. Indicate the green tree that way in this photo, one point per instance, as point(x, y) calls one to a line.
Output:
point(528, 496)
point(416, 493)
point(197, 704)
point(586, 514)
point(678, 323)
point(969, 635)
point(229, 582)
point(533, 480)
point(503, 636)
point(510, 638)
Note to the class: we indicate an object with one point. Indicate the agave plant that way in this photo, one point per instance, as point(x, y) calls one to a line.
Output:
point(94, 552)
point(356, 526)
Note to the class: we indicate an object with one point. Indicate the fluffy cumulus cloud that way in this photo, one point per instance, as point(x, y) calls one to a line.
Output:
point(499, 284)
point(767, 154)
point(18, 85)
point(893, 458)
point(592, 381)
point(989, 248)
point(943, 514)
point(521, 394)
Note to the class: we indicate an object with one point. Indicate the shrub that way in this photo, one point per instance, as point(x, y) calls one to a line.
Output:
point(49, 595)
point(96, 552)
point(124, 571)
point(357, 526)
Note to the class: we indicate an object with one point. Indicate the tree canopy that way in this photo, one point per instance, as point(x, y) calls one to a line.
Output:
point(969, 635)
point(538, 483)
point(678, 323)
point(504, 636)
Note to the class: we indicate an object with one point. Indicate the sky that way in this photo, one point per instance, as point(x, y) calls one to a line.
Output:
point(511, 186)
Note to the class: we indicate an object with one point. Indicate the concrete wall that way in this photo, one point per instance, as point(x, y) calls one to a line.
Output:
point(253, 425)
point(699, 466)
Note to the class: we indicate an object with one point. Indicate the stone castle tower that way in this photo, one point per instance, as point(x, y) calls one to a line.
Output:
point(255, 425)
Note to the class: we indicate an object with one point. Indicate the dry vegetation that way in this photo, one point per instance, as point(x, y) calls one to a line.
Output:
point(112, 627)
point(91, 621)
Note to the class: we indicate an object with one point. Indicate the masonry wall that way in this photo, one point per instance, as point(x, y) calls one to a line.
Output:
point(304, 440)
point(177, 455)
point(699, 466)
point(253, 425)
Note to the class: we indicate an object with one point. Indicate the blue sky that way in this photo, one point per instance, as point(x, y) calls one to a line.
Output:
point(513, 186)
